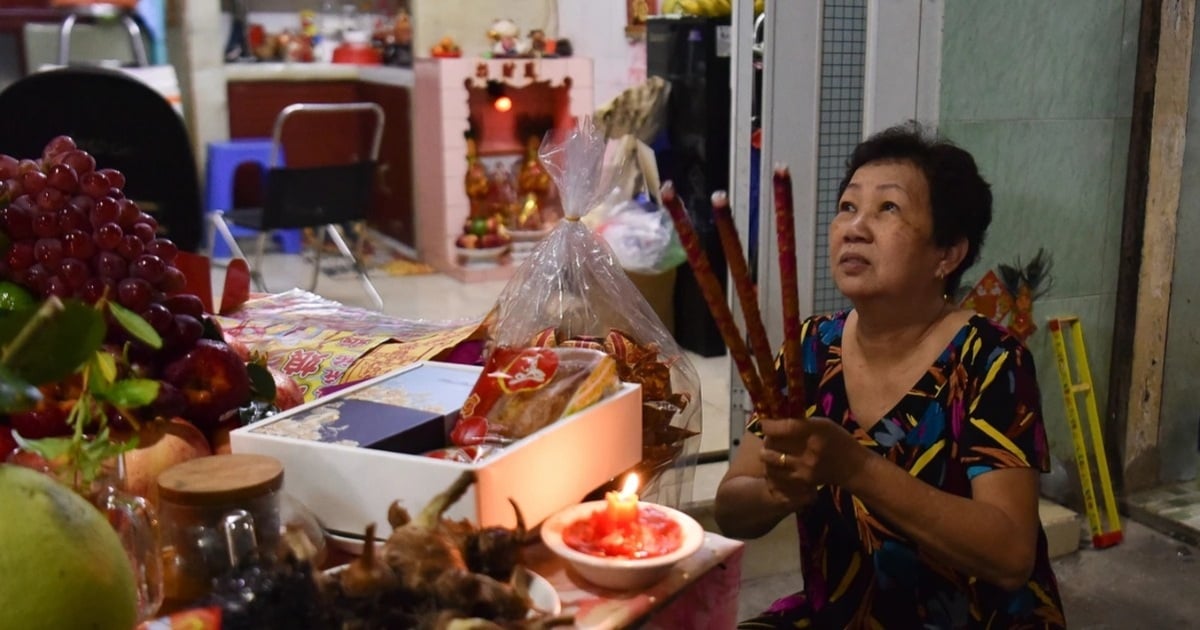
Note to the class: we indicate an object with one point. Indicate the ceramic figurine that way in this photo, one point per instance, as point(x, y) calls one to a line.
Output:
point(477, 184)
point(506, 39)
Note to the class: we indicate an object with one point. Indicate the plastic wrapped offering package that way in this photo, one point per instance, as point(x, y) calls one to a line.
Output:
point(571, 293)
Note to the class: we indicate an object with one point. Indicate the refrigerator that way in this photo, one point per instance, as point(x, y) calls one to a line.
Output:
point(693, 149)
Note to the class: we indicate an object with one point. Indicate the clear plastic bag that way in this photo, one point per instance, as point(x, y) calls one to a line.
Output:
point(571, 292)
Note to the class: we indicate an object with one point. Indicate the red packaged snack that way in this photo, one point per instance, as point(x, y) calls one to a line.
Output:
point(523, 390)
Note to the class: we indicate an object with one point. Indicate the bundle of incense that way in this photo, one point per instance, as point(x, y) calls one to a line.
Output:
point(761, 383)
point(710, 287)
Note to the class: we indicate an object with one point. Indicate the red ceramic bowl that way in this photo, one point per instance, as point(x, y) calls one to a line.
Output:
point(357, 54)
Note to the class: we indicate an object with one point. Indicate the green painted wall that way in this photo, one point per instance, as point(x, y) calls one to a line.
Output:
point(1040, 92)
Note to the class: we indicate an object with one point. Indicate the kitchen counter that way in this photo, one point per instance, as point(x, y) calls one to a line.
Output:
point(281, 71)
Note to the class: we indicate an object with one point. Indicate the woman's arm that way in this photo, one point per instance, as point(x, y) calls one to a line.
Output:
point(992, 536)
point(747, 504)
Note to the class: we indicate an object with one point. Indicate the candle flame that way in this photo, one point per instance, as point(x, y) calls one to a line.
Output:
point(631, 485)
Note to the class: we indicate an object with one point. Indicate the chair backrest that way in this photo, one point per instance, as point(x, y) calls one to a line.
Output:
point(332, 184)
point(320, 195)
point(125, 124)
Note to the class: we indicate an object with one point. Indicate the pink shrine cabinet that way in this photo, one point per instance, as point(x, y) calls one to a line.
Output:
point(455, 96)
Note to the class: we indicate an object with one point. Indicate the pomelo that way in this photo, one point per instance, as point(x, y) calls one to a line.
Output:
point(61, 563)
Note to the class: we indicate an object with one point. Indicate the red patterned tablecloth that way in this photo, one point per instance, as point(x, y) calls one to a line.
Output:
point(700, 593)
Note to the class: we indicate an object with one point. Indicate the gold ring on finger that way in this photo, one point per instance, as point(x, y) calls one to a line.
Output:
point(783, 459)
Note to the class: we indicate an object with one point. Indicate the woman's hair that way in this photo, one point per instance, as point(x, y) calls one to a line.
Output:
point(960, 198)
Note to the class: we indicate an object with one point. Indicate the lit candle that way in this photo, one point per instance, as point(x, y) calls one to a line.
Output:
point(622, 506)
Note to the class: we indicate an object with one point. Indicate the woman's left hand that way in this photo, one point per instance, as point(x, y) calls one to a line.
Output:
point(816, 451)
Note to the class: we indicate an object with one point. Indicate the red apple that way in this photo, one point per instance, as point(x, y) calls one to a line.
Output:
point(49, 419)
point(213, 379)
point(31, 460)
point(220, 437)
point(287, 391)
point(238, 346)
point(160, 446)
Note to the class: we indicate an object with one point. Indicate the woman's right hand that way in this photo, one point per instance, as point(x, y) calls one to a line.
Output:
point(785, 487)
point(753, 497)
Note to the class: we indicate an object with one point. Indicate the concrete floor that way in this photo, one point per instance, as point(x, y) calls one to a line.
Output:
point(1148, 581)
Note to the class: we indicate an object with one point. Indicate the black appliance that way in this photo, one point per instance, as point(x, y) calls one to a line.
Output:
point(693, 54)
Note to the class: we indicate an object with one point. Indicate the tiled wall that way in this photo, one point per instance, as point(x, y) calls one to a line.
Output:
point(1040, 93)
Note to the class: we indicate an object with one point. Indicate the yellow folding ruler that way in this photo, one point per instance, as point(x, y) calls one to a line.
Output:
point(1070, 389)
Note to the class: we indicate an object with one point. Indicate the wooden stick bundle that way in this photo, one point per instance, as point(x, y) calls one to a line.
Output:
point(762, 383)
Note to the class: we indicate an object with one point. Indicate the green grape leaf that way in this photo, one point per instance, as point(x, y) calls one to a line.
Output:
point(135, 325)
point(52, 449)
point(53, 342)
point(16, 394)
point(131, 392)
point(96, 452)
point(105, 373)
point(262, 384)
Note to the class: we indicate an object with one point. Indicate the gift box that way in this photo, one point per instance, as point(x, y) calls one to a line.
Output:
point(348, 485)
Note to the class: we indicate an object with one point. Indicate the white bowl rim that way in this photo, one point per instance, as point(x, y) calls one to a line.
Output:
point(552, 528)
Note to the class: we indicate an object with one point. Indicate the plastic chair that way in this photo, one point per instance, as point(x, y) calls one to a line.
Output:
point(125, 124)
point(224, 159)
point(319, 196)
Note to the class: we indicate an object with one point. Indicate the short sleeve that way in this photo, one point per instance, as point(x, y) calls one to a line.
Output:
point(999, 422)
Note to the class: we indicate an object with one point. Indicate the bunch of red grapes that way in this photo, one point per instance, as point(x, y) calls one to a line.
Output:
point(74, 234)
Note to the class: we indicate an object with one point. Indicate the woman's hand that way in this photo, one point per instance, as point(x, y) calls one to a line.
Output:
point(809, 453)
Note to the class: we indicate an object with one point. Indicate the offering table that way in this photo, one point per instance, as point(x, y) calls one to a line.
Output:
point(701, 591)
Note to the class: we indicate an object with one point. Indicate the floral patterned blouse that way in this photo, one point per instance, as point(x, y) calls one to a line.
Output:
point(976, 409)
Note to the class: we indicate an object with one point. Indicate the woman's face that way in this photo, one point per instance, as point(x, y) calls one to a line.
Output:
point(881, 239)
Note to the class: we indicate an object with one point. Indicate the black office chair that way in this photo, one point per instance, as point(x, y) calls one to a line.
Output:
point(125, 125)
point(321, 196)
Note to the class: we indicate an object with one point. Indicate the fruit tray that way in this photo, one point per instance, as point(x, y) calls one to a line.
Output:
point(349, 486)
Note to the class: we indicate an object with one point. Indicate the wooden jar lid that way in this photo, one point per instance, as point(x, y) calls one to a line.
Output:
point(220, 479)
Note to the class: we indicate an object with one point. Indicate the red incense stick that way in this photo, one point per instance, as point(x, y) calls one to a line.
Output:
point(710, 287)
point(747, 294)
point(785, 231)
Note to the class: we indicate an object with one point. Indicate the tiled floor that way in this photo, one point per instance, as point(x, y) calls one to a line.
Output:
point(1174, 508)
point(1146, 582)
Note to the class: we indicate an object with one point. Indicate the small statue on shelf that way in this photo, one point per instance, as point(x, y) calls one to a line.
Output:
point(506, 39)
point(476, 182)
point(483, 228)
point(533, 182)
point(502, 197)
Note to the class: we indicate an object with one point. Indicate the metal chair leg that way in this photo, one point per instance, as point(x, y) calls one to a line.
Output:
point(64, 38)
point(257, 273)
point(218, 225)
point(217, 220)
point(336, 234)
point(135, 40)
point(318, 249)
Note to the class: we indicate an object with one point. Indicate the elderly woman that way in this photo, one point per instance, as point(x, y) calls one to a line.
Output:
point(915, 477)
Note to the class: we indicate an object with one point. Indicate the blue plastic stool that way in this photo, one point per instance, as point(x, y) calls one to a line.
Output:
point(224, 158)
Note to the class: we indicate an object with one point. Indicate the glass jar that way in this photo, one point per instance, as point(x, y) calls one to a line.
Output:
point(214, 512)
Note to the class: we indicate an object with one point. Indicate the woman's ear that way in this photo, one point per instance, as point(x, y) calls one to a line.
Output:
point(952, 257)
